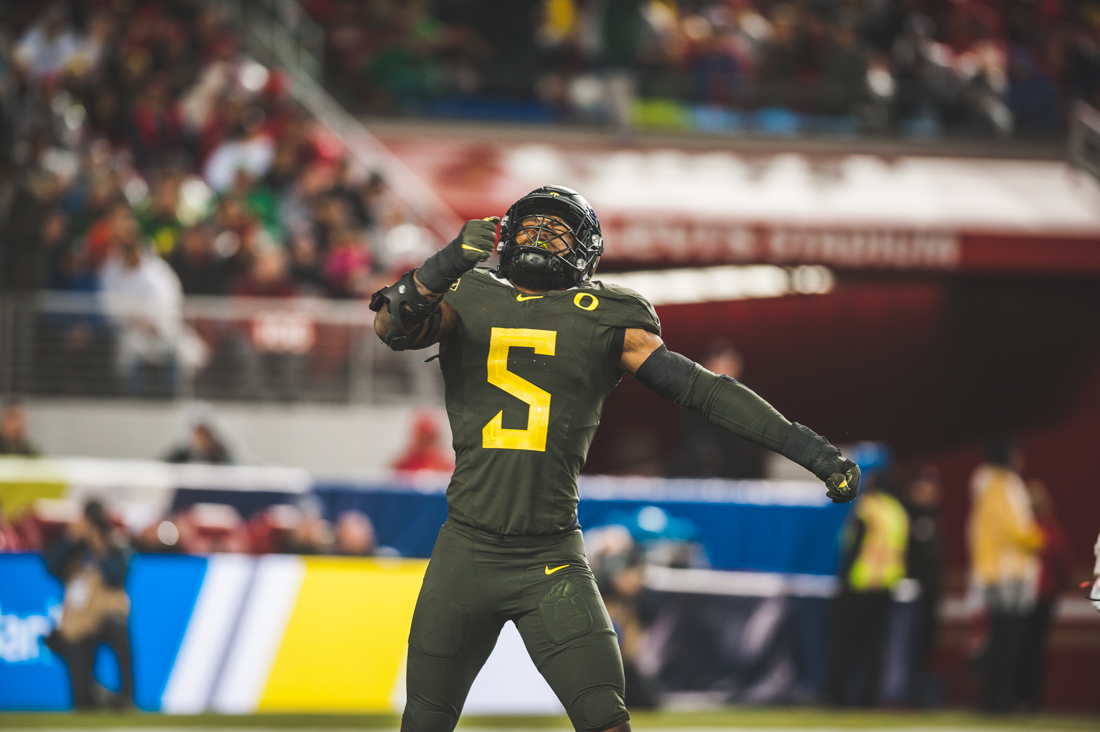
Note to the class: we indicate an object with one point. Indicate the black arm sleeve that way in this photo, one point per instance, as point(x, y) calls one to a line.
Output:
point(720, 400)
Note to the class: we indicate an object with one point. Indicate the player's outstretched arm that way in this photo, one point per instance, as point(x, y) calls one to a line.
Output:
point(411, 313)
point(737, 409)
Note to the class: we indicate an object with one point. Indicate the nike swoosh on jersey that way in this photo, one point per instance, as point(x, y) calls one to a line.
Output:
point(521, 298)
point(555, 569)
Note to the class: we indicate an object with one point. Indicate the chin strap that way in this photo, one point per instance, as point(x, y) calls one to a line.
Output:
point(408, 309)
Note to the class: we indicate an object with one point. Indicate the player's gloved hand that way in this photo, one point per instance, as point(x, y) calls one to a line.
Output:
point(472, 245)
point(820, 457)
point(843, 485)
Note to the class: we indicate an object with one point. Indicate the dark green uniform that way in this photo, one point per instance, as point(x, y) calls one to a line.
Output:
point(525, 376)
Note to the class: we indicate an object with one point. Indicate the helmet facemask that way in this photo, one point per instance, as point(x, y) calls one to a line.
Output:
point(550, 240)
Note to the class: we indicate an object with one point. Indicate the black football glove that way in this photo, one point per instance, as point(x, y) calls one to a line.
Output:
point(472, 245)
point(843, 485)
point(820, 457)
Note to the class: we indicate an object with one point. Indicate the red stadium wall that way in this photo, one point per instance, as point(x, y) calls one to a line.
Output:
point(935, 367)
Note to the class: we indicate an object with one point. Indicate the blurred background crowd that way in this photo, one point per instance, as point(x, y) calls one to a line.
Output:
point(203, 527)
point(138, 135)
point(916, 68)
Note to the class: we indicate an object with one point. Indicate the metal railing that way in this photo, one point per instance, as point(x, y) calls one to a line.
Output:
point(296, 350)
point(1084, 138)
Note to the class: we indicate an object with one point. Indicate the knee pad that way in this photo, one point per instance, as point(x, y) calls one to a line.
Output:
point(598, 709)
point(418, 718)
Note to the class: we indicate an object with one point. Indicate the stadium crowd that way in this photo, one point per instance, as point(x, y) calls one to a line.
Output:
point(138, 134)
point(201, 528)
point(918, 67)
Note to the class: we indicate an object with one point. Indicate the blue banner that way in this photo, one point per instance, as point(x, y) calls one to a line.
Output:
point(755, 535)
point(162, 591)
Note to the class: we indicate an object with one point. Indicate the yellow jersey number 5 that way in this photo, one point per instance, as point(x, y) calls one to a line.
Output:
point(495, 435)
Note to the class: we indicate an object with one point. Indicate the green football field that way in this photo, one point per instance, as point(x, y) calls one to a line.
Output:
point(792, 720)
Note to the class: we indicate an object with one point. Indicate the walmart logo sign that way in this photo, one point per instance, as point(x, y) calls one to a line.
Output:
point(21, 637)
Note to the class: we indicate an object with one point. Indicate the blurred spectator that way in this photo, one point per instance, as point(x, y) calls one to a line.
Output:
point(305, 264)
point(201, 271)
point(872, 563)
point(46, 49)
point(924, 560)
point(354, 534)
point(347, 265)
point(1054, 569)
point(1093, 592)
point(91, 560)
point(13, 432)
point(248, 148)
point(75, 348)
point(269, 275)
point(160, 225)
point(618, 564)
point(202, 447)
point(272, 355)
point(205, 528)
point(621, 30)
point(313, 533)
point(157, 132)
point(25, 263)
point(10, 540)
point(705, 451)
point(144, 297)
point(270, 529)
point(663, 540)
point(425, 451)
point(1004, 543)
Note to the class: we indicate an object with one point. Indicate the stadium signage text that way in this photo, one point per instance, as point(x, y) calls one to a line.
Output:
point(20, 637)
point(728, 243)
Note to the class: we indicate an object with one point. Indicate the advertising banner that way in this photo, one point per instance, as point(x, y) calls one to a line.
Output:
point(239, 634)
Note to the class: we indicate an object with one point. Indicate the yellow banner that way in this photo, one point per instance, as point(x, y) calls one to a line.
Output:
point(344, 645)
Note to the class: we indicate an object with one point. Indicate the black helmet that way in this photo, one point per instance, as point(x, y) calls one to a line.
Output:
point(534, 265)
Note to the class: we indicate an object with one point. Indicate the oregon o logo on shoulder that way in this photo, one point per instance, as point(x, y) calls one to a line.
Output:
point(590, 305)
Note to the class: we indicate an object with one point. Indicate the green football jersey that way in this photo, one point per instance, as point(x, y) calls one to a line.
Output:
point(525, 378)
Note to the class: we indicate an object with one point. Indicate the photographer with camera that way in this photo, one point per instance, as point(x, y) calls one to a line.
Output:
point(91, 559)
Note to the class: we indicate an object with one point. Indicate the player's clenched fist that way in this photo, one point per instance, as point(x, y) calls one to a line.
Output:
point(820, 457)
point(843, 485)
point(472, 245)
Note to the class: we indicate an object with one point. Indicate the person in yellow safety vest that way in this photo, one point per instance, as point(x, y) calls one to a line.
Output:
point(1005, 542)
point(872, 563)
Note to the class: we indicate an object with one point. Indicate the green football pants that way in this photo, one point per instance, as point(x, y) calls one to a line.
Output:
point(475, 583)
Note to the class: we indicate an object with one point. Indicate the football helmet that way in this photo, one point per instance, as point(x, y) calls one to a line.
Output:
point(550, 240)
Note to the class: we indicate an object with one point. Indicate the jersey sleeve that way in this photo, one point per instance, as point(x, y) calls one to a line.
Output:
point(625, 308)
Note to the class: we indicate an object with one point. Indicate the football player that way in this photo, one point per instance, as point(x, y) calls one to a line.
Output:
point(528, 353)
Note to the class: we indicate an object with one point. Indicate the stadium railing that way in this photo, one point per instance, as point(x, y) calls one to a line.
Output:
point(1084, 138)
point(303, 349)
